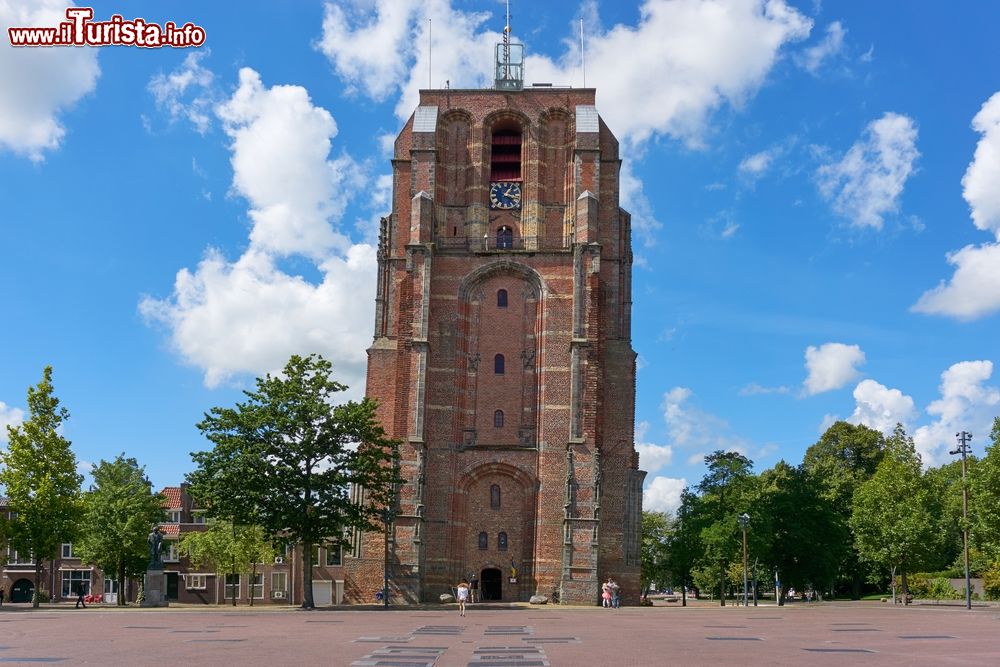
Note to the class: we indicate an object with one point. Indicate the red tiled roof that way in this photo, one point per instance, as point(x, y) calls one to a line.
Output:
point(173, 494)
point(170, 529)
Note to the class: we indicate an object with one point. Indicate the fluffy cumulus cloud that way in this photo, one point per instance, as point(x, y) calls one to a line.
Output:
point(974, 288)
point(9, 416)
point(967, 403)
point(652, 457)
point(687, 58)
point(757, 164)
point(865, 185)
point(186, 93)
point(39, 84)
point(832, 44)
point(663, 494)
point(831, 366)
point(248, 315)
point(881, 408)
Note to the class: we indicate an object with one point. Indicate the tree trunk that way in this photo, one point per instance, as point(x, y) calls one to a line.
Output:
point(38, 578)
point(722, 586)
point(684, 595)
point(856, 586)
point(253, 578)
point(307, 589)
point(121, 584)
point(906, 589)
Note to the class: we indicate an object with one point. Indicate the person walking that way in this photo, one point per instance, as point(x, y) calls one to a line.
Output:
point(615, 593)
point(1, 596)
point(79, 598)
point(462, 594)
point(473, 588)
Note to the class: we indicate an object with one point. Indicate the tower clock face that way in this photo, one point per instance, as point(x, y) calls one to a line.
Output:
point(505, 194)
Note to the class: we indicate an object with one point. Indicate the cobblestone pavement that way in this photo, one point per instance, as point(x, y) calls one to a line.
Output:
point(815, 634)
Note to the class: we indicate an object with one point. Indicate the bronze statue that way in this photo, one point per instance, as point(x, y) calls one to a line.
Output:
point(155, 541)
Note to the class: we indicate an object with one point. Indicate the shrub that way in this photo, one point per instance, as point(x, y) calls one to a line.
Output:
point(991, 581)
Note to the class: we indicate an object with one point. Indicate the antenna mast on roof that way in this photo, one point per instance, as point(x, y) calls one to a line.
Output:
point(509, 73)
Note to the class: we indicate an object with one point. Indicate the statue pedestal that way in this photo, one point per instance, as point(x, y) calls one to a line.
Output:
point(154, 595)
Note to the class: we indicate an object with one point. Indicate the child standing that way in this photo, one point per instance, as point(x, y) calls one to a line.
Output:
point(462, 593)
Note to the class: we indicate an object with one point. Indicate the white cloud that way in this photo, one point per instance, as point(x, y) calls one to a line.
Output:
point(634, 200)
point(827, 421)
point(687, 58)
point(693, 428)
point(9, 416)
point(652, 457)
point(980, 181)
point(249, 316)
point(966, 404)
point(754, 389)
point(663, 494)
point(754, 166)
point(697, 458)
point(189, 80)
point(881, 408)
point(832, 44)
point(974, 288)
point(866, 184)
point(831, 366)
point(39, 84)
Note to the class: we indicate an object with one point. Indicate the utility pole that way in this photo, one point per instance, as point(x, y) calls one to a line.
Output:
point(744, 520)
point(964, 449)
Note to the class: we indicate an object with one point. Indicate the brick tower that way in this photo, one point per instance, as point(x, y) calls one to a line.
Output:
point(502, 356)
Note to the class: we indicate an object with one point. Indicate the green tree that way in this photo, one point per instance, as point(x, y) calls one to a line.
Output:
point(39, 473)
point(656, 529)
point(725, 492)
point(800, 535)
point(984, 499)
point(895, 518)
point(844, 457)
point(287, 458)
point(119, 510)
point(226, 544)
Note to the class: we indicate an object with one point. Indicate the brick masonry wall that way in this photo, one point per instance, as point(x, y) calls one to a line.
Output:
point(563, 456)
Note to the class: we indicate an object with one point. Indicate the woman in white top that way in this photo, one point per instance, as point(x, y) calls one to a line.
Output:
point(463, 596)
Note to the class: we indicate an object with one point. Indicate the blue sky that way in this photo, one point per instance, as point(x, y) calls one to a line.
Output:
point(815, 190)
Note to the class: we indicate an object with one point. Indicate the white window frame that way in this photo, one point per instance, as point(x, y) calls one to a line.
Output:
point(255, 586)
point(279, 582)
point(228, 587)
point(14, 558)
point(196, 582)
point(198, 517)
point(331, 551)
point(67, 550)
point(174, 516)
point(70, 581)
point(170, 553)
point(111, 584)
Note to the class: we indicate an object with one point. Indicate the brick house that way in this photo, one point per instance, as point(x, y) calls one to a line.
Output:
point(502, 354)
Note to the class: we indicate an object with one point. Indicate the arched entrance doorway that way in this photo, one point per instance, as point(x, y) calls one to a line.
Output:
point(22, 591)
point(491, 586)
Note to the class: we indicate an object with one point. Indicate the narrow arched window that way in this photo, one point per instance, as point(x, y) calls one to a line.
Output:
point(502, 298)
point(498, 419)
point(484, 541)
point(502, 541)
point(505, 237)
point(498, 362)
point(495, 496)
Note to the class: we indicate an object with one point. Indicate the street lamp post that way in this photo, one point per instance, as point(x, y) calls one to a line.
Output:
point(963, 448)
point(744, 520)
point(387, 517)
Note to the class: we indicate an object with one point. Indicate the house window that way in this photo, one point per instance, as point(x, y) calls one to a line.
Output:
point(257, 586)
point(67, 550)
point(315, 555)
point(505, 155)
point(502, 541)
point(484, 541)
point(498, 419)
point(196, 582)
point(505, 237)
point(334, 557)
point(170, 552)
point(74, 581)
point(498, 363)
point(174, 516)
point(279, 584)
point(198, 517)
point(502, 298)
point(110, 586)
point(232, 586)
point(495, 496)
point(16, 558)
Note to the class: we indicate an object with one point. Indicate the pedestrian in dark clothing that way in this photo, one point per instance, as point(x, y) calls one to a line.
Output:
point(79, 598)
point(1, 597)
